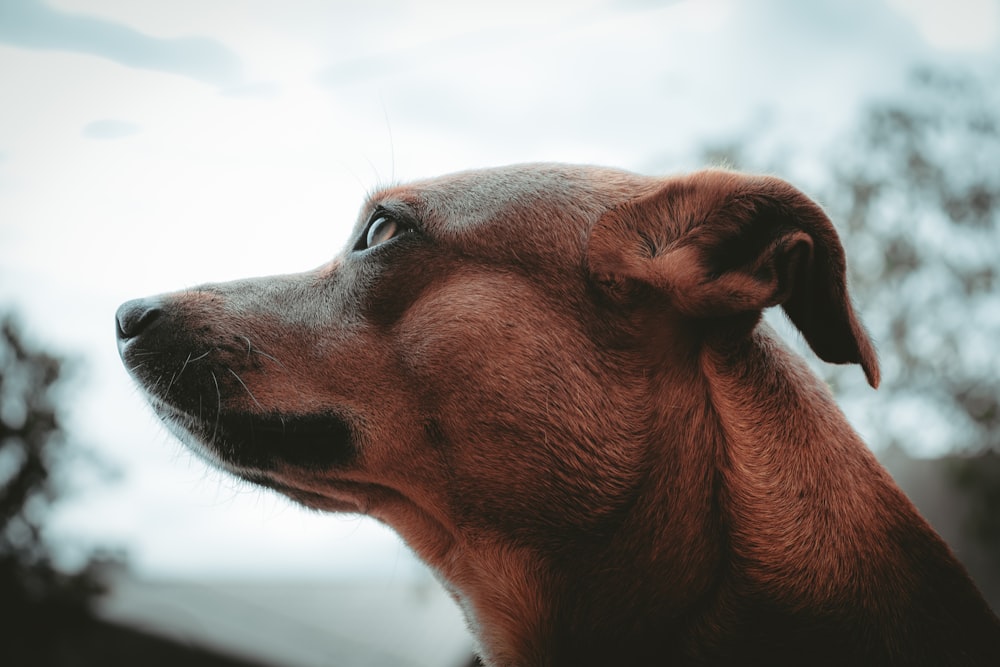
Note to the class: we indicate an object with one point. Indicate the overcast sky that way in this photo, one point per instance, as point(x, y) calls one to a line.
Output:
point(147, 147)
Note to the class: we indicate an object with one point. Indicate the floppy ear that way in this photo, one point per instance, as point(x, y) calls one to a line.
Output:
point(719, 244)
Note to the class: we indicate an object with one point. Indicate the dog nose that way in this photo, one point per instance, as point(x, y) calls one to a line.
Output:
point(135, 316)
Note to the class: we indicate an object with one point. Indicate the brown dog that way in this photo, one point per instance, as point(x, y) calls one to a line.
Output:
point(553, 382)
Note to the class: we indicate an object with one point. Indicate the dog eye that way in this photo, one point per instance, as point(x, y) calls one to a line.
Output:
point(381, 230)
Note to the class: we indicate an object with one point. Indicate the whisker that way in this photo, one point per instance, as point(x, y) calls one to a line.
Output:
point(173, 377)
point(268, 356)
point(218, 412)
point(156, 383)
point(200, 356)
point(145, 353)
point(244, 385)
point(176, 376)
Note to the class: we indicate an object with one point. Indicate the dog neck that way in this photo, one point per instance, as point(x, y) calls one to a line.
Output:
point(722, 487)
point(790, 467)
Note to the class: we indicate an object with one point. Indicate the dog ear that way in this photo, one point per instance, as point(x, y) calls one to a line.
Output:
point(719, 244)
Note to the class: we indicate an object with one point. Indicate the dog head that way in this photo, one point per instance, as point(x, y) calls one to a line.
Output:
point(481, 357)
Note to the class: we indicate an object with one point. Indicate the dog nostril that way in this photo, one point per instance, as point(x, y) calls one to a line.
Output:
point(134, 317)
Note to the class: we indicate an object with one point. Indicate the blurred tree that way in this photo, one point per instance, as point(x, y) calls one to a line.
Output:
point(915, 193)
point(38, 602)
point(920, 197)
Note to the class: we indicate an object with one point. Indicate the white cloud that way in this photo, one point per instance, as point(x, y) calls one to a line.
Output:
point(958, 25)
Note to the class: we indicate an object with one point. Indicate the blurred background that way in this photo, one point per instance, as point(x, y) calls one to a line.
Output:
point(147, 147)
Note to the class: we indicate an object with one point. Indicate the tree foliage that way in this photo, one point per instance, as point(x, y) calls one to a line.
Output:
point(37, 599)
point(919, 198)
point(914, 189)
point(920, 201)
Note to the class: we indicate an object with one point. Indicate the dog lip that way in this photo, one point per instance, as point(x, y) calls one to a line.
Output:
point(243, 441)
point(320, 440)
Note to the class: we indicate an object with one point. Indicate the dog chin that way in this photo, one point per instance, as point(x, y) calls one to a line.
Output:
point(190, 433)
point(250, 444)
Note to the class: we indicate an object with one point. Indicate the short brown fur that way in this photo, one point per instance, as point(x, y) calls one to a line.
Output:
point(554, 383)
